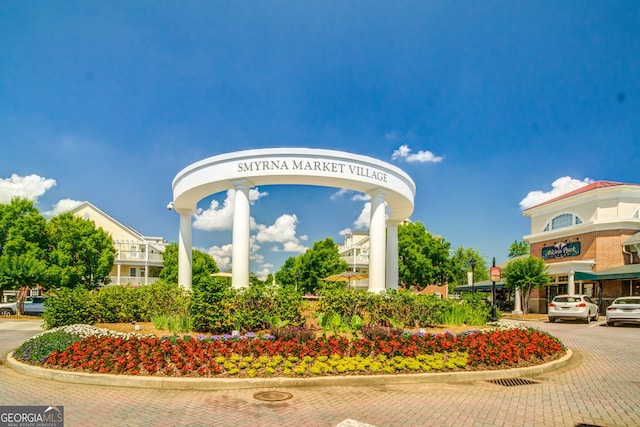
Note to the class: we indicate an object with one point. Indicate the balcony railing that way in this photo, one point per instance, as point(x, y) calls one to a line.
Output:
point(360, 260)
point(132, 280)
point(138, 256)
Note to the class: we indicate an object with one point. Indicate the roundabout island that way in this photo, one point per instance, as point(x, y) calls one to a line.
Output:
point(233, 362)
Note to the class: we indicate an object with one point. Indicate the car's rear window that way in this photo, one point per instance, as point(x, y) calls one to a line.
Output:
point(627, 301)
point(567, 299)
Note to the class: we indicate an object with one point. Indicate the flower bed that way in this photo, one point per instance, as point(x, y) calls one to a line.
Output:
point(87, 349)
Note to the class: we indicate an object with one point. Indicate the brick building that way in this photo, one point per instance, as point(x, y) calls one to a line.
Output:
point(590, 241)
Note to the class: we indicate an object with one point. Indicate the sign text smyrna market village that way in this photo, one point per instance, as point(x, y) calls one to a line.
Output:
point(311, 165)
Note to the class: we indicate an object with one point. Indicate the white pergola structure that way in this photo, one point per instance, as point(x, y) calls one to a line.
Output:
point(242, 170)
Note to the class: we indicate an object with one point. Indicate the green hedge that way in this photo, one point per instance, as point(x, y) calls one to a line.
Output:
point(114, 304)
point(403, 309)
point(213, 306)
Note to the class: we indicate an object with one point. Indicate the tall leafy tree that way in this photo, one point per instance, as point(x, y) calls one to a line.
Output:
point(202, 265)
point(423, 257)
point(321, 260)
point(21, 271)
point(79, 253)
point(286, 276)
point(23, 245)
point(306, 271)
point(526, 274)
point(461, 265)
point(518, 248)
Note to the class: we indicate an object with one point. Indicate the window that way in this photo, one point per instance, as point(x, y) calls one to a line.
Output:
point(636, 214)
point(132, 272)
point(561, 221)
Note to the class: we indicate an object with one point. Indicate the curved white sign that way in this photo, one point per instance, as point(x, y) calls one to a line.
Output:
point(242, 170)
point(303, 166)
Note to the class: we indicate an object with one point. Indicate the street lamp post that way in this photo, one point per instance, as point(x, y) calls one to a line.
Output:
point(297, 278)
point(494, 314)
point(472, 263)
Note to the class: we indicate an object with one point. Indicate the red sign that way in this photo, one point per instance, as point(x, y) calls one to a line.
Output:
point(494, 273)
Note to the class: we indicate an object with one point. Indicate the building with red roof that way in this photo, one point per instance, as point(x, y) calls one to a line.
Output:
point(590, 241)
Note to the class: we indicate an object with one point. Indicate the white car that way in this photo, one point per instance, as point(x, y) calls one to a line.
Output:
point(579, 307)
point(624, 310)
point(8, 309)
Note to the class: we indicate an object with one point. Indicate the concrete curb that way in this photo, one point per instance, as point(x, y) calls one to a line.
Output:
point(174, 383)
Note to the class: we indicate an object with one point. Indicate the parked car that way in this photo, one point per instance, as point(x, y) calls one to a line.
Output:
point(576, 307)
point(33, 306)
point(8, 308)
point(624, 310)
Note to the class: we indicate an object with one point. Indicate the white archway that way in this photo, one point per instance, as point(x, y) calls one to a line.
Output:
point(242, 170)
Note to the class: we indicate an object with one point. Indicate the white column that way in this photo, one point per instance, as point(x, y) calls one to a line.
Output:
point(377, 251)
point(571, 286)
point(184, 249)
point(392, 254)
point(241, 225)
point(517, 308)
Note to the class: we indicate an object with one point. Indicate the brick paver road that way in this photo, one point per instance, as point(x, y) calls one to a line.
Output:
point(600, 387)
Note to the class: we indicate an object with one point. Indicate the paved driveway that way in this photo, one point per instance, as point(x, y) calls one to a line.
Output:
point(600, 387)
point(14, 332)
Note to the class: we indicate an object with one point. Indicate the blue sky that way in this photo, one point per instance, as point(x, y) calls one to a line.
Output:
point(487, 105)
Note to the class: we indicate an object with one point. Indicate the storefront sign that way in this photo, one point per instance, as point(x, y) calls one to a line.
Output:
point(561, 250)
point(494, 273)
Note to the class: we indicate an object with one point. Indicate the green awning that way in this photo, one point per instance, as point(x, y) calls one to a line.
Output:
point(630, 271)
point(484, 286)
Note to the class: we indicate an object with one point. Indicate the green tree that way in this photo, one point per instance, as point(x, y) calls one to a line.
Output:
point(202, 265)
point(305, 272)
point(286, 276)
point(518, 248)
point(321, 260)
point(23, 244)
point(526, 274)
point(79, 253)
point(423, 257)
point(460, 261)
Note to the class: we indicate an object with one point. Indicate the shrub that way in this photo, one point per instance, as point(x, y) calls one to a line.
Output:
point(162, 297)
point(68, 307)
point(347, 302)
point(211, 305)
point(172, 322)
point(114, 304)
point(216, 307)
point(469, 310)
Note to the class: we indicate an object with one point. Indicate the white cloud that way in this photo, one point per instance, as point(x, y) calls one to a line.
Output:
point(345, 232)
point(283, 230)
point(264, 272)
point(254, 251)
point(61, 206)
point(28, 187)
point(364, 218)
point(339, 194)
point(356, 195)
point(220, 217)
point(560, 186)
point(222, 256)
point(404, 153)
point(292, 247)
